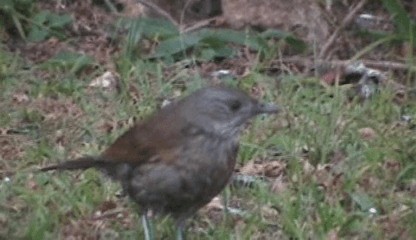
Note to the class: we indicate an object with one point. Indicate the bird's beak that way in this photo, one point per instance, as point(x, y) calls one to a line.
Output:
point(266, 108)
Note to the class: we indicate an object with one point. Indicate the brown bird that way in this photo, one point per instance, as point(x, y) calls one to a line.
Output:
point(177, 160)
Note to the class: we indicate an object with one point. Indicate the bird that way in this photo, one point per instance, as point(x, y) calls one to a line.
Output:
point(178, 159)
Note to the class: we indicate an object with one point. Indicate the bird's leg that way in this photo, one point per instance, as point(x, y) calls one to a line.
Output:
point(147, 227)
point(180, 235)
point(180, 227)
point(225, 197)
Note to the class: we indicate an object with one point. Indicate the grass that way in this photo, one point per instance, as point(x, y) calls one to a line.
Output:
point(349, 165)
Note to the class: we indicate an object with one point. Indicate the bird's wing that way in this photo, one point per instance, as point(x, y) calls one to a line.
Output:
point(158, 138)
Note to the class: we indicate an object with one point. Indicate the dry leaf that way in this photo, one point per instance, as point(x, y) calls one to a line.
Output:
point(20, 98)
point(279, 185)
point(107, 80)
point(267, 168)
point(367, 133)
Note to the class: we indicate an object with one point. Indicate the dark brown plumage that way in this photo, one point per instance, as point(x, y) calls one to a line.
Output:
point(177, 160)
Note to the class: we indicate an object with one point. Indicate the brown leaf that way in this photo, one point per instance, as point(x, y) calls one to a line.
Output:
point(107, 205)
point(367, 134)
point(269, 212)
point(215, 204)
point(268, 168)
point(332, 235)
point(279, 185)
point(107, 80)
point(20, 98)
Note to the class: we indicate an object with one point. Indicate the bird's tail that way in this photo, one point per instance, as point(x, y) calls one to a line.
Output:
point(79, 163)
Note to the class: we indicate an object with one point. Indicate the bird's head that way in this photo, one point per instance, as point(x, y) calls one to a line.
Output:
point(221, 111)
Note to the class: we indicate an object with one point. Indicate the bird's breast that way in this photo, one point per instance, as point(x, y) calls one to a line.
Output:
point(208, 163)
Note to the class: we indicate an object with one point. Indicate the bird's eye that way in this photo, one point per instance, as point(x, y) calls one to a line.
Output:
point(235, 105)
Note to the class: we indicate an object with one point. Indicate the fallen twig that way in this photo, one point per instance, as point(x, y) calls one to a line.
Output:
point(159, 11)
point(384, 65)
point(347, 20)
point(201, 24)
